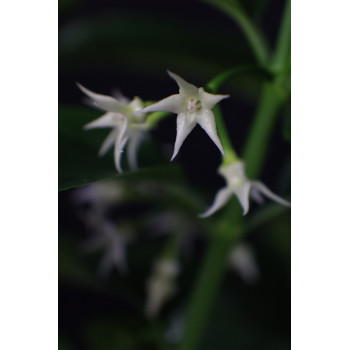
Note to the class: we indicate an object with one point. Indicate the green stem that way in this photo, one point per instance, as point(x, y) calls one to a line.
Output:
point(206, 288)
point(257, 142)
point(253, 34)
point(282, 50)
point(230, 153)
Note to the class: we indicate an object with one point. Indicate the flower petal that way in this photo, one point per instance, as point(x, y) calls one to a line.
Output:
point(268, 193)
point(133, 145)
point(256, 195)
point(185, 87)
point(108, 142)
point(171, 104)
point(206, 120)
point(243, 196)
point(105, 102)
point(184, 127)
point(119, 145)
point(108, 120)
point(210, 100)
point(220, 200)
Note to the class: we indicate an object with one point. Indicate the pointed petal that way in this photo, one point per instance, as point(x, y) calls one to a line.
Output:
point(107, 120)
point(243, 196)
point(108, 142)
point(185, 87)
point(210, 100)
point(171, 104)
point(268, 193)
point(184, 126)
point(220, 200)
point(256, 195)
point(207, 121)
point(105, 102)
point(119, 146)
point(133, 145)
point(117, 94)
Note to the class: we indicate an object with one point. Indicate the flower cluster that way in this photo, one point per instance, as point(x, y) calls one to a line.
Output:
point(193, 105)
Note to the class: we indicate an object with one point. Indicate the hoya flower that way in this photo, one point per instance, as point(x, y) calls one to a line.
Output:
point(112, 242)
point(92, 203)
point(161, 285)
point(193, 106)
point(127, 126)
point(238, 184)
point(242, 259)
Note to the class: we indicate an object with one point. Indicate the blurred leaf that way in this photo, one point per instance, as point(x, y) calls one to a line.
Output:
point(115, 39)
point(79, 163)
point(125, 334)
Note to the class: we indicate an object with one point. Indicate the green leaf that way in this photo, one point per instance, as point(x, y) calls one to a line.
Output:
point(79, 163)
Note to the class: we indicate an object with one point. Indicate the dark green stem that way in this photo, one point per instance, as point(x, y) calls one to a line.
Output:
point(207, 285)
point(257, 142)
point(253, 34)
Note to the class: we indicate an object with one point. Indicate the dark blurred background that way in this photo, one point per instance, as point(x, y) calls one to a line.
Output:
point(129, 45)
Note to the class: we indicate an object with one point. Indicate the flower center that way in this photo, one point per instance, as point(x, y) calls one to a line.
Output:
point(193, 105)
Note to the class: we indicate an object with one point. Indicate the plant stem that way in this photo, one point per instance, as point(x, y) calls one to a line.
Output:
point(257, 142)
point(207, 286)
point(282, 49)
point(253, 34)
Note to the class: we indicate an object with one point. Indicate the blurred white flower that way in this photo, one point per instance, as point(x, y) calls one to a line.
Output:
point(112, 242)
point(161, 286)
point(242, 259)
point(105, 236)
point(238, 184)
point(127, 126)
point(192, 105)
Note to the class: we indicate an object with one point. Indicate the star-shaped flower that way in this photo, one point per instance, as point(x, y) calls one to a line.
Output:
point(161, 285)
point(238, 184)
point(192, 105)
point(126, 124)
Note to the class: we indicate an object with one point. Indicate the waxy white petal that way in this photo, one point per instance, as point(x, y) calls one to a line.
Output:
point(243, 196)
point(210, 100)
point(119, 145)
point(256, 195)
point(268, 193)
point(173, 104)
point(206, 120)
point(108, 120)
point(105, 102)
point(185, 87)
point(133, 145)
point(220, 200)
point(184, 127)
point(108, 142)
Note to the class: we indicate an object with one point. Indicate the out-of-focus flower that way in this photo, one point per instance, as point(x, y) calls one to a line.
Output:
point(112, 242)
point(161, 286)
point(242, 259)
point(127, 126)
point(238, 184)
point(105, 235)
point(192, 105)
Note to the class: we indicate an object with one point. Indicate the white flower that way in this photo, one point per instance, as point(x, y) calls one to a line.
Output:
point(105, 236)
point(192, 105)
point(242, 259)
point(238, 184)
point(112, 242)
point(126, 124)
point(161, 285)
